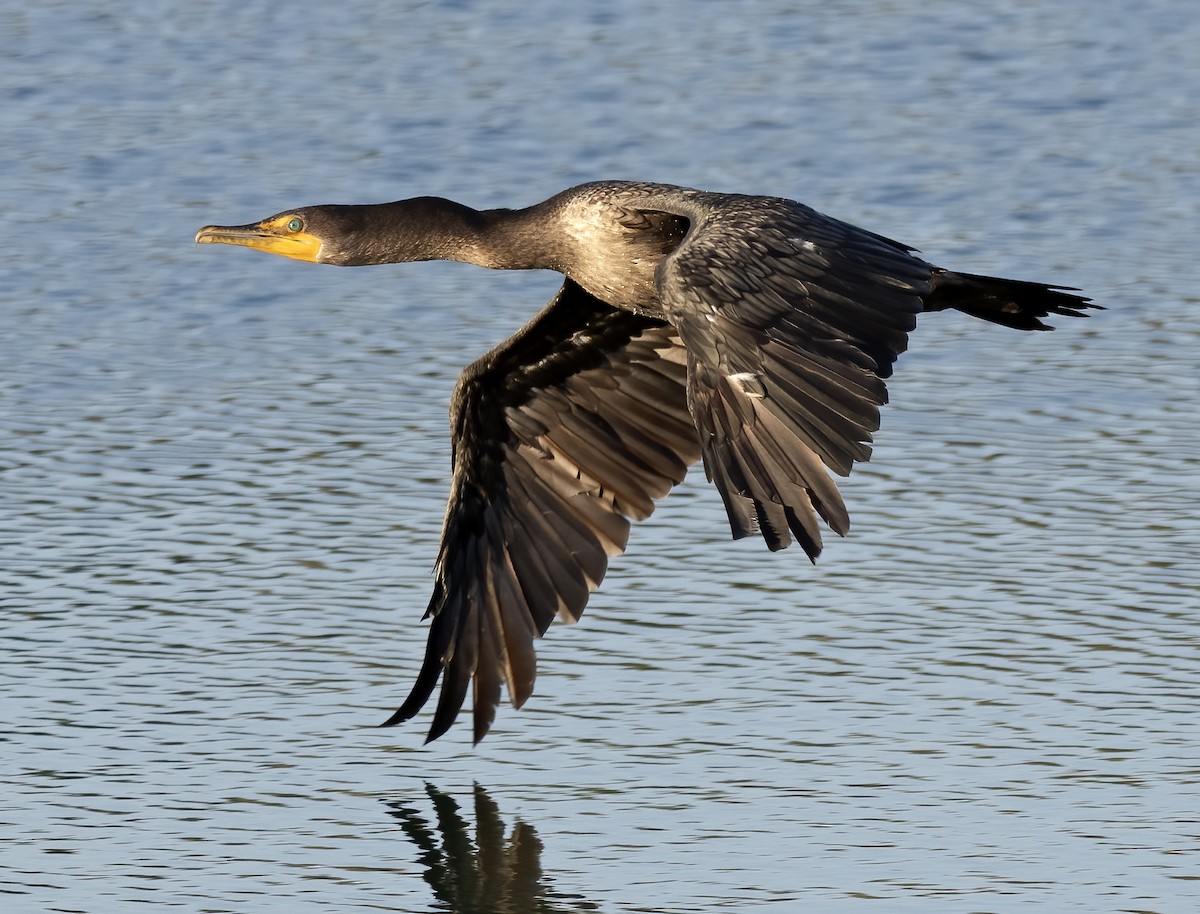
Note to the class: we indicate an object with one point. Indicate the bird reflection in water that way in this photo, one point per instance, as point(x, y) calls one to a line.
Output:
point(487, 876)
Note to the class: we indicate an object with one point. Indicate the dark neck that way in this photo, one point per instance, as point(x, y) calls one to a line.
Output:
point(431, 228)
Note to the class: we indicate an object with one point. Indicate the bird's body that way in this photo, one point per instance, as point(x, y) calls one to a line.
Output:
point(751, 332)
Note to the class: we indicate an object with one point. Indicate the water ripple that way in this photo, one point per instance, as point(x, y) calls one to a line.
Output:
point(223, 477)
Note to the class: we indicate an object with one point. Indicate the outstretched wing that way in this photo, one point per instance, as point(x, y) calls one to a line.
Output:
point(561, 435)
point(791, 321)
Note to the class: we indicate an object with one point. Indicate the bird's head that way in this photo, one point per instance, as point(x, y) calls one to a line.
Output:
point(315, 234)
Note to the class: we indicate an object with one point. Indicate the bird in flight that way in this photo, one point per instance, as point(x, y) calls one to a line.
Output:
point(752, 333)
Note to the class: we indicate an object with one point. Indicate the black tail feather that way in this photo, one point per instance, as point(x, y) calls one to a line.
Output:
point(1011, 302)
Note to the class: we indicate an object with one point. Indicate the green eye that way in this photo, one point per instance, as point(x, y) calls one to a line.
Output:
point(295, 224)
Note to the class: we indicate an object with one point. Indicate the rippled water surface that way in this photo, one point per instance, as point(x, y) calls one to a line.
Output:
point(222, 474)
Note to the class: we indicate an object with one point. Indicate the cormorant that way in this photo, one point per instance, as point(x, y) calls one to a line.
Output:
point(750, 332)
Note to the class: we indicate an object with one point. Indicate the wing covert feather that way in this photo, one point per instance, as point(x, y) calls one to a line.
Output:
point(791, 321)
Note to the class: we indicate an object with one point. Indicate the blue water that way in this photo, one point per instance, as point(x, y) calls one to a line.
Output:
point(222, 475)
